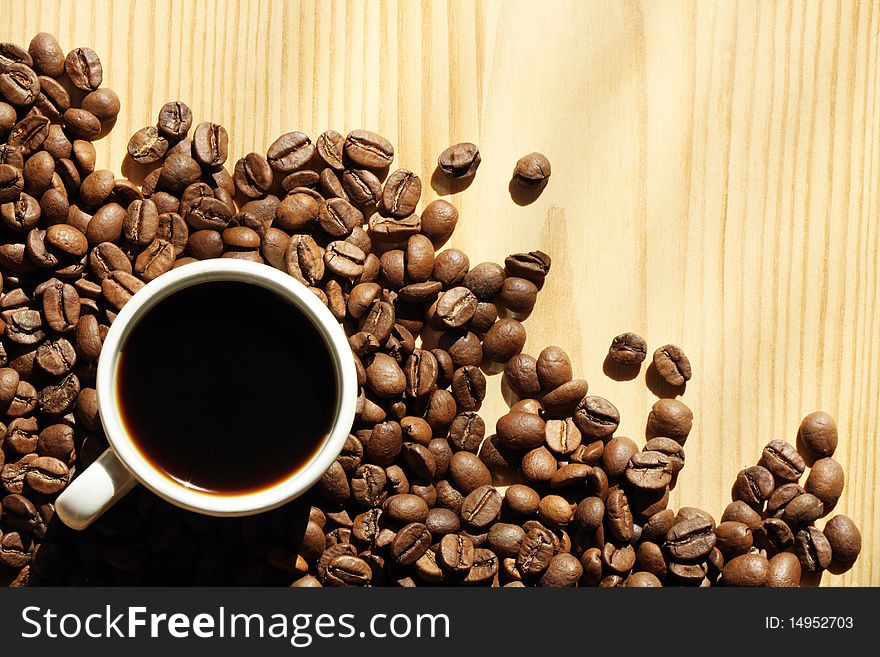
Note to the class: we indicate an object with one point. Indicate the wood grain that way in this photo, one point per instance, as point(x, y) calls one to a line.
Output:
point(715, 176)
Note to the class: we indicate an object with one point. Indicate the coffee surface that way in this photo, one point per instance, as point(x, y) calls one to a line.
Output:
point(226, 387)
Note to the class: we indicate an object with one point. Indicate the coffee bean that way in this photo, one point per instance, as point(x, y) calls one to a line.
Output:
point(456, 306)
point(781, 498)
point(367, 150)
point(46, 54)
point(368, 484)
point(746, 570)
point(29, 134)
point(411, 542)
point(596, 418)
point(253, 175)
point(459, 161)
point(47, 475)
point(533, 266)
point(628, 349)
point(773, 535)
point(19, 84)
point(467, 473)
point(438, 221)
point(781, 458)
point(82, 123)
point(21, 215)
point(818, 432)
point(401, 193)
point(844, 538)
point(565, 399)
point(825, 481)
point(519, 294)
point(61, 307)
point(84, 69)
point(25, 327)
point(813, 549)
point(535, 552)
point(538, 466)
point(733, 539)
point(670, 418)
point(754, 485)
point(649, 470)
point(618, 515)
point(672, 365)
point(147, 145)
point(118, 287)
point(518, 430)
point(785, 571)
point(504, 340)
point(532, 171)
point(555, 512)
point(691, 539)
point(468, 387)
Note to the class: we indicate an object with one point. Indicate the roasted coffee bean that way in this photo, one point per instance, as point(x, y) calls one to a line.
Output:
point(521, 375)
point(844, 538)
point(21, 215)
point(522, 431)
point(29, 134)
point(438, 221)
point(22, 435)
point(456, 553)
point(47, 475)
point(733, 539)
point(555, 512)
point(106, 224)
point(59, 398)
point(119, 286)
point(468, 473)
point(670, 418)
point(562, 436)
point(803, 510)
point(773, 535)
point(672, 365)
point(618, 559)
point(532, 171)
point(618, 515)
point(15, 550)
point(56, 357)
point(781, 498)
point(61, 307)
point(785, 571)
point(304, 259)
point(596, 418)
point(84, 69)
point(813, 549)
point(25, 327)
point(106, 258)
point(518, 294)
point(81, 123)
point(147, 146)
point(19, 84)
point(456, 307)
point(565, 399)
point(210, 144)
point(818, 432)
point(366, 149)
point(553, 368)
point(746, 570)
point(11, 183)
point(538, 466)
point(535, 552)
point(781, 458)
point(46, 54)
point(253, 175)
point(504, 340)
point(347, 570)
point(691, 539)
point(459, 161)
point(410, 543)
point(673, 451)
point(649, 470)
point(175, 120)
point(401, 193)
point(344, 259)
point(754, 485)
point(384, 444)
point(825, 481)
point(628, 349)
point(521, 499)
point(67, 239)
point(368, 485)
point(617, 454)
point(468, 387)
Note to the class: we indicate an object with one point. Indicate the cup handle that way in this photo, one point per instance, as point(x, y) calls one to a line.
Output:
point(94, 491)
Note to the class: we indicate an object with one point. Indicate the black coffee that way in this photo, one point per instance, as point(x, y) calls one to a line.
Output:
point(226, 387)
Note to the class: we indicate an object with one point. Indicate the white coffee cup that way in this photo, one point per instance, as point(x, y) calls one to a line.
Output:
point(122, 466)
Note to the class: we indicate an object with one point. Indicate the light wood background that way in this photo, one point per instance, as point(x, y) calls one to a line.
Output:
point(715, 176)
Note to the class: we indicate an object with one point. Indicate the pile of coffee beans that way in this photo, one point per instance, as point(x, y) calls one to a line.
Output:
point(412, 499)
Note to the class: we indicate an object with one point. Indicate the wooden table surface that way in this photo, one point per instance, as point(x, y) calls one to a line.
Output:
point(715, 176)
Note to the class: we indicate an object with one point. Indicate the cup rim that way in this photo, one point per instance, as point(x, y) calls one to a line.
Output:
point(305, 301)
